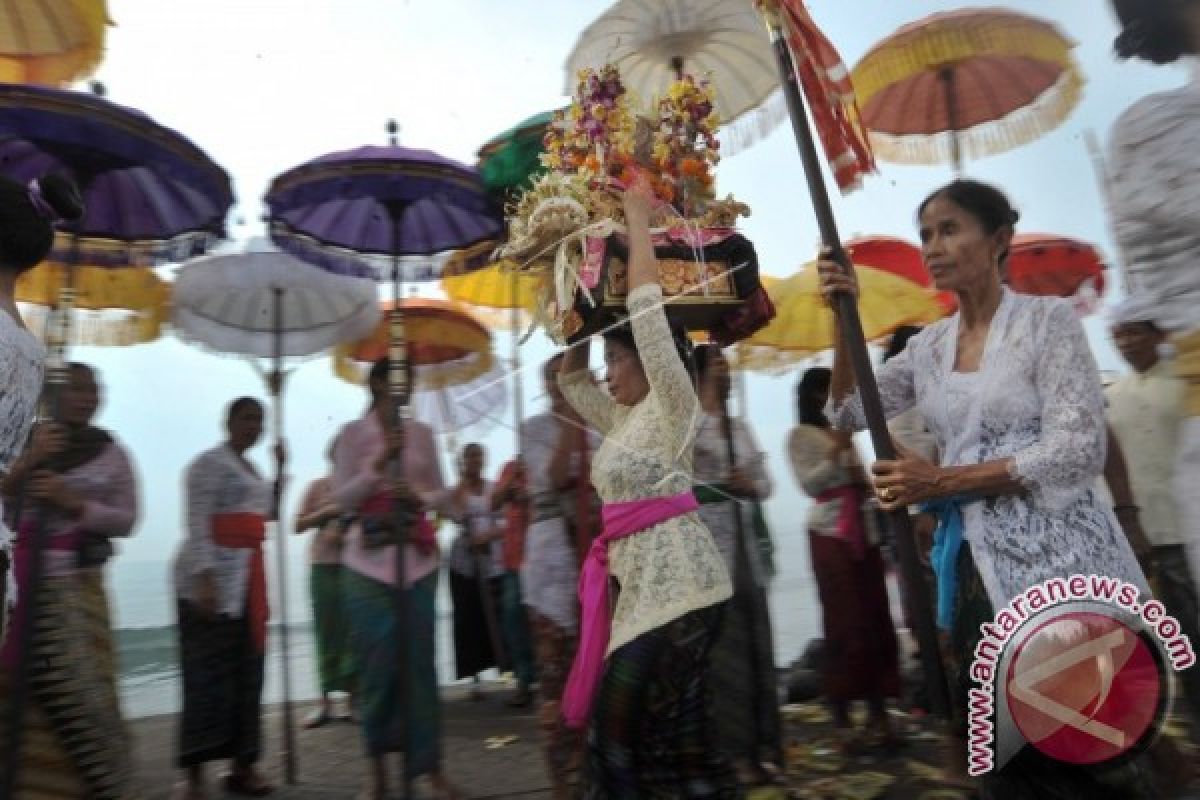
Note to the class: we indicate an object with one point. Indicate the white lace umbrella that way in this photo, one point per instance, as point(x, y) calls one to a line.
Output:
point(268, 304)
point(653, 42)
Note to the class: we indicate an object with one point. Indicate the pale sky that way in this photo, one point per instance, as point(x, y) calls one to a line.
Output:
point(265, 84)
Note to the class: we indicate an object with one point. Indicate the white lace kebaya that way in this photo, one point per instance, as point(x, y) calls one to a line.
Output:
point(673, 567)
point(1036, 399)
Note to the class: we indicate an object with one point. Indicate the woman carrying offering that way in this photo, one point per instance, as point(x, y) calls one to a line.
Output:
point(650, 733)
point(1012, 395)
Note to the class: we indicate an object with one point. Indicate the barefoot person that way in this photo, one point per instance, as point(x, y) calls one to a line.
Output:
point(365, 449)
point(335, 668)
point(221, 590)
point(650, 726)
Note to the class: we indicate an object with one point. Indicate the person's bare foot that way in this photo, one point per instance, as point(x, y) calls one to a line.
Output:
point(186, 790)
point(442, 788)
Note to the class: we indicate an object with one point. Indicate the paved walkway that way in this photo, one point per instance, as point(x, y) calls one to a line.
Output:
point(491, 751)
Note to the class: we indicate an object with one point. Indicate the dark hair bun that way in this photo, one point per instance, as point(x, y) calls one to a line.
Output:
point(1152, 30)
point(62, 195)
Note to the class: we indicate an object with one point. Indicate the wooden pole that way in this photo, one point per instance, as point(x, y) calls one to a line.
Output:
point(288, 753)
point(399, 389)
point(850, 329)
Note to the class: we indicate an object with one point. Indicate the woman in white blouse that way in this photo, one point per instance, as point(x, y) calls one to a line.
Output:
point(221, 591)
point(1010, 390)
point(650, 732)
point(1155, 204)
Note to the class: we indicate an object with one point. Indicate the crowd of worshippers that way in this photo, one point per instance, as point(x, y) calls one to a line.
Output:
point(620, 566)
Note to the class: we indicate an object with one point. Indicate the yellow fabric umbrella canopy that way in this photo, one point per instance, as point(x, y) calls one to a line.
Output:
point(493, 292)
point(51, 42)
point(112, 307)
point(804, 323)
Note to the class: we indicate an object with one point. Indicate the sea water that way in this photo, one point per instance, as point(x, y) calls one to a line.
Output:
point(143, 606)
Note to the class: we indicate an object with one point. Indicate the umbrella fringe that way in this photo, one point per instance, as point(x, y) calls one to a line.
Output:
point(1019, 128)
point(99, 328)
point(752, 127)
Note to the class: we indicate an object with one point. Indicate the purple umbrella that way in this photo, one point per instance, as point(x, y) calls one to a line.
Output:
point(368, 212)
point(359, 211)
point(150, 196)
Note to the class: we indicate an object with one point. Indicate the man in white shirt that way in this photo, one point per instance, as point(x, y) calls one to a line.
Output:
point(1145, 412)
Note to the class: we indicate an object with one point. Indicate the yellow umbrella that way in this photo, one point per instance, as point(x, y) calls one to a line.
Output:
point(112, 307)
point(496, 287)
point(51, 42)
point(803, 323)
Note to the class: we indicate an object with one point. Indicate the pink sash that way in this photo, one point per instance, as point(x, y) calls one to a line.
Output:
point(620, 520)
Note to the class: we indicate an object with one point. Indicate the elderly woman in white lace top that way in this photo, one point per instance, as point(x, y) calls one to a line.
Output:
point(1012, 395)
point(650, 733)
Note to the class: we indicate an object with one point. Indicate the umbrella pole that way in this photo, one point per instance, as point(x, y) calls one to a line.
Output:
point(399, 389)
point(851, 332)
point(56, 379)
point(947, 77)
point(288, 754)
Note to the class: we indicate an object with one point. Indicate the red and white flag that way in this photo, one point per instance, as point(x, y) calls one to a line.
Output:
point(825, 82)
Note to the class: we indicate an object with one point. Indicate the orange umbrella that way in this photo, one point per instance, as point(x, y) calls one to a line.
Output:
point(1057, 266)
point(441, 334)
point(975, 81)
point(898, 257)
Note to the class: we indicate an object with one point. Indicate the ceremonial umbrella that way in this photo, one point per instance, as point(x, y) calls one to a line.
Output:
point(112, 307)
point(361, 212)
point(457, 380)
point(804, 322)
point(51, 42)
point(653, 42)
point(267, 304)
point(508, 160)
point(1057, 266)
point(150, 195)
point(972, 82)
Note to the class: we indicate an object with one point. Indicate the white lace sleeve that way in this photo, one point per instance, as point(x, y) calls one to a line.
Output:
point(897, 391)
point(592, 403)
point(669, 380)
point(1068, 456)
